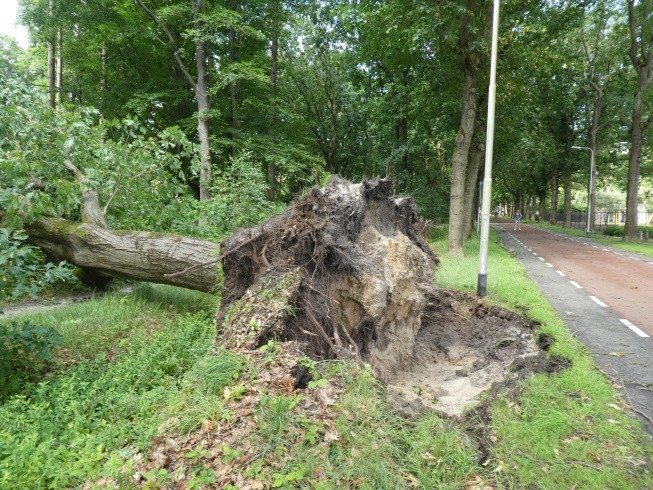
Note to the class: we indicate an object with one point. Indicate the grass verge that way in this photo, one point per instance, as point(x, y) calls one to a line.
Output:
point(567, 430)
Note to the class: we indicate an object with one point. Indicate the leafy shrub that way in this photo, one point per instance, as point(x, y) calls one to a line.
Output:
point(59, 433)
point(25, 351)
point(613, 230)
point(24, 270)
point(618, 230)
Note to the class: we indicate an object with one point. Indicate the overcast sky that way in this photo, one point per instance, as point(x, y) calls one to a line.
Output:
point(8, 11)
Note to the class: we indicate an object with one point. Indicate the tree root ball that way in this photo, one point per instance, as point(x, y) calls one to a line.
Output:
point(343, 274)
point(342, 271)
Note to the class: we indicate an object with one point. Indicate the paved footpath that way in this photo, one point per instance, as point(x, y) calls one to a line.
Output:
point(604, 296)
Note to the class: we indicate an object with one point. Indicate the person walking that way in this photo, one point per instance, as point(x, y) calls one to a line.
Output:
point(518, 221)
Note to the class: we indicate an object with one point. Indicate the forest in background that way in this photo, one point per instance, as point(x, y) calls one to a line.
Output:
point(219, 113)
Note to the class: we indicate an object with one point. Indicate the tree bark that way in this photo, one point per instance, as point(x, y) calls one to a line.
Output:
point(553, 219)
point(142, 256)
point(52, 82)
point(471, 60)
point(59, 67)
point(459, 162)
point(200, 87)
point(641, 56)
point(478, 153)
point(274, 54)
point(566, 183)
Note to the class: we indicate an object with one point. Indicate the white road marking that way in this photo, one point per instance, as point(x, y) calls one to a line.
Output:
point(633, 328)
point(534, 254)
point(616, 253)
point(550, 265)
point(605, 249)
point(575, 284)
point(561, 273)
point(541, 258)
point(598, 301)
point(634, 258)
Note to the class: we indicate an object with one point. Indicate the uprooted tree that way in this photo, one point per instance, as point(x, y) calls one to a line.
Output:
point(341, 273)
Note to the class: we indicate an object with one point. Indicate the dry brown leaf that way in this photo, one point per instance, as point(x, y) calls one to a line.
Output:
point(331, 436)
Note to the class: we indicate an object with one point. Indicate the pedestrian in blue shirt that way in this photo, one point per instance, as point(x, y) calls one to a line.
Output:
point(518, 221)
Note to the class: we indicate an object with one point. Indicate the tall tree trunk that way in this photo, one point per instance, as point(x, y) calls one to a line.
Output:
point(52, 71)
point(459, 163)
point(594, 129)
point(542, 202)
point(200, 87)
point(103, 78)
point(274, 54)
point(471, 60)
point(471, 187)
point(553, 219)
point(634, 164)
point(59, 67)
point(566, 183)
point(641, 56)
point(203, 106)
point(233, 86)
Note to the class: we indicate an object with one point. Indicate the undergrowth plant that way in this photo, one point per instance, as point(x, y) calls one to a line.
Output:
point(26, 350)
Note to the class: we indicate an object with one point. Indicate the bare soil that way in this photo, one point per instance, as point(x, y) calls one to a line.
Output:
point(462, 349)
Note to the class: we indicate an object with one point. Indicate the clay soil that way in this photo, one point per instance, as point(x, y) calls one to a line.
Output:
point(463, 349)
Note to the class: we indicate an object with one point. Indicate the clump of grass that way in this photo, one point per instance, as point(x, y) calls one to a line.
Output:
point(105, 323)
point(59, 432)
point(372, 447)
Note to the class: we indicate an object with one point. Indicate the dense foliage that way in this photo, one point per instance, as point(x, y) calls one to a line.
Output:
point(262, 100)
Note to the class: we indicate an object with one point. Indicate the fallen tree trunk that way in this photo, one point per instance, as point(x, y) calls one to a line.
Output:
point(143, 256)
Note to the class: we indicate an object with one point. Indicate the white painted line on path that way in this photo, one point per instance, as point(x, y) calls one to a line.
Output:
point(561, 273)
point(541, 258)
point(598, 301)
point(534, 253)
point(634, 328)
point(617, 253)
point(605, 249)
point(634, 258)
point(575, 284)
point(550, 265)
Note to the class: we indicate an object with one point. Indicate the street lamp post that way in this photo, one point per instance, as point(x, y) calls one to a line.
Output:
point(481, 285)
point(590, 187)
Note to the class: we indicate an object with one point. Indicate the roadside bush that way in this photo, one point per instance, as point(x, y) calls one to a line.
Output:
point(613, 230)
point(618, 230)
point(25, 352)
point(24, 269)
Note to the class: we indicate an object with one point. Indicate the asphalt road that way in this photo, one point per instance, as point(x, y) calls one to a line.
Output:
point(604, 296)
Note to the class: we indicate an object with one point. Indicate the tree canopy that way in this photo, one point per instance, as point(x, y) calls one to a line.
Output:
point(218, 113)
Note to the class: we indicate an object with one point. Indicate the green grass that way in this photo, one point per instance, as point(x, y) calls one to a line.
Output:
point(644, 248)
point(106, 323)
point(144, 365)
point(84, 418)
point(565, 430)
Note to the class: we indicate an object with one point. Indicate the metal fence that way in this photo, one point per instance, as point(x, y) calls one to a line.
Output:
point(602, 219)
